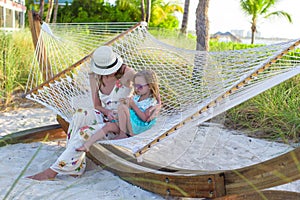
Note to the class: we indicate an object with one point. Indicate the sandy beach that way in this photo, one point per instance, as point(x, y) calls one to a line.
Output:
point(227, 150)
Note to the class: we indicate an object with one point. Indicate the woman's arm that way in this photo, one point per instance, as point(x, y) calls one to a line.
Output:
point(127, 78)
point(95, 95)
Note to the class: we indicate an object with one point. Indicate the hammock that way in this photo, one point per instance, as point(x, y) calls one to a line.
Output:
point(195, 85)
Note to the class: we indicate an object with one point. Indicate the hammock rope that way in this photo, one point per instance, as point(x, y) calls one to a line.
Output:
point(195, 85)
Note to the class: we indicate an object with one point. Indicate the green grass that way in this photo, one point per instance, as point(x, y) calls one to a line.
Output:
point(274, 114)
point(16, 51)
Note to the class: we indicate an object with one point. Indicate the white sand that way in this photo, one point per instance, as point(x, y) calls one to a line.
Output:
point(215, 150)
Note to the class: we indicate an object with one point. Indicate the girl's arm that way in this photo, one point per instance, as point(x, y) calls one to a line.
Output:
point(143, 115)
point(154, 110)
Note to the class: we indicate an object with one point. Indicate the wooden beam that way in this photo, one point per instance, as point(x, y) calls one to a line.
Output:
point(203, 184)
point(52, 132)
point(277, 171)
point(263, 195)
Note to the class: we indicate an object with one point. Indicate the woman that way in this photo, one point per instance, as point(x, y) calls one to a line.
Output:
point(134, 111)
point(110, 80)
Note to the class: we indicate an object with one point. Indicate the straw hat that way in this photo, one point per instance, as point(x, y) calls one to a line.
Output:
point(105, 61)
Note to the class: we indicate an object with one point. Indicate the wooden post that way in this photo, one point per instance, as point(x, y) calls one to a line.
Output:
point(35, 28)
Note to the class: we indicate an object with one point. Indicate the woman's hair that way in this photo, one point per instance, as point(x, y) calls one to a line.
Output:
point(152, 81)
point(118, 75)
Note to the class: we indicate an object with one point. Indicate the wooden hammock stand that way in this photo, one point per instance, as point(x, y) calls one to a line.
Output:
point(244, 183)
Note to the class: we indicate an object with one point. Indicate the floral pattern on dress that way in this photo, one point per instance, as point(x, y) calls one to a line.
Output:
point(118, 85)
point(62, 164)
point(74, 162)
point(69, 134)
point(82, 132)
point(80, 166)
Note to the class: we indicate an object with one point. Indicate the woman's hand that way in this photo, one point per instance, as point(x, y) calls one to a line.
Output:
point(111, 115)
point(127, 101)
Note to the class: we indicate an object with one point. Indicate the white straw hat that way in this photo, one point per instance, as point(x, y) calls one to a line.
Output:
point(105, 61)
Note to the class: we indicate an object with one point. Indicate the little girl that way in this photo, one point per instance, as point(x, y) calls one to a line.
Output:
point(134, 113)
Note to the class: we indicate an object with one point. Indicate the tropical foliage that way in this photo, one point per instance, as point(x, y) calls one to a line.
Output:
point(261, 8)
point(162, 13)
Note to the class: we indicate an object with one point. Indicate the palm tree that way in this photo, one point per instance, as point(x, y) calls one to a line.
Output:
point(55, 12)
point(185, 17)
point(49, 13)
point(256, 8)
point(202, 25)
point(148, 11)
point(41, 11)
point(143, 10)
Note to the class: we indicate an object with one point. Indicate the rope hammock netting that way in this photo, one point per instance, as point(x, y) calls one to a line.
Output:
point(195, 86)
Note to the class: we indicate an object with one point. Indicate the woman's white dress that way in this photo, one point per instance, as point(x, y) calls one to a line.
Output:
point(86, 122)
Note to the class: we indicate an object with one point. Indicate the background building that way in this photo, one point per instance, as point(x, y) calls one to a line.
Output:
point(12, 14)
point(60, 2)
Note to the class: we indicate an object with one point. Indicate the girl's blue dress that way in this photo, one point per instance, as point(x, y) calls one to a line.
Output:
point(138, 125)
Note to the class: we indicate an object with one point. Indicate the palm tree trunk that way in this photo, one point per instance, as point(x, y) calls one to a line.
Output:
point(202, 28)
point(185, 17)
point(148, 12)
point(55, 12)
point(41, 12)
point(143, 10)
point(253, 30)
point(49, 13)
point(202, 25)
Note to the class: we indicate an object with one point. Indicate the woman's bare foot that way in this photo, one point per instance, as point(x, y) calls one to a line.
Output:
point(48, 174)
point(83, 148)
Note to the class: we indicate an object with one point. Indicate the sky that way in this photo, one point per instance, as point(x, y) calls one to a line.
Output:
point(226, 15)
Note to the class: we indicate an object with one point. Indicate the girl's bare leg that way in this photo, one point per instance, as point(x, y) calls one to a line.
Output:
point(122, 117)
point(124, 121)
point(99, 135)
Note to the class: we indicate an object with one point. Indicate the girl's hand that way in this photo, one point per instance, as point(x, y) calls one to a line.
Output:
point(154, 110)
point(130, 101)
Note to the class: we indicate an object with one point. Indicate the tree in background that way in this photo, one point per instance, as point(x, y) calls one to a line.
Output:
point(148, 11)
point(162, 14)
point(55, 12)
point(41, 11)
point(256, 8)
point(143, 10)
point(202, 25)
point(49, 12)
point(185, 17)
point(126, 11)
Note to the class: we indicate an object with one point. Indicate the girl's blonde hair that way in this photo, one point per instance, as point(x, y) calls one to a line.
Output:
point(152, 81)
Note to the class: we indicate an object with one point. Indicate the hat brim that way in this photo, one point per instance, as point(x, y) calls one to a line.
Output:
point(107, 71)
